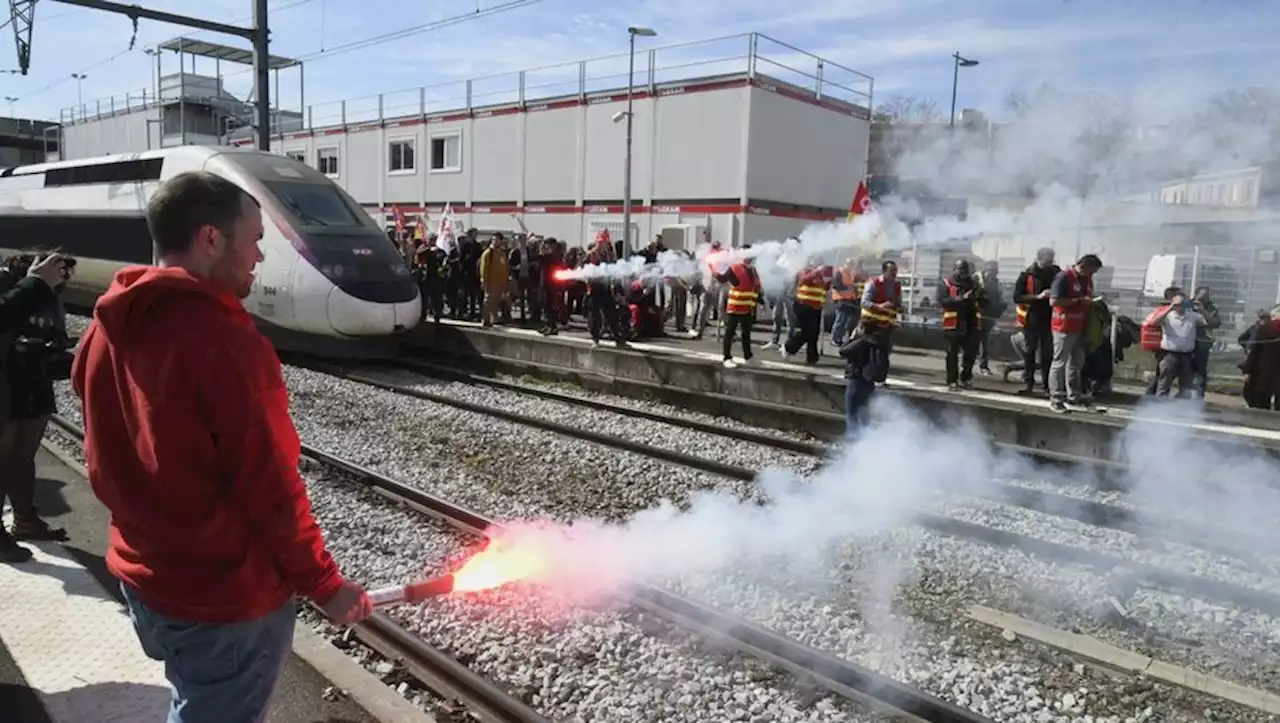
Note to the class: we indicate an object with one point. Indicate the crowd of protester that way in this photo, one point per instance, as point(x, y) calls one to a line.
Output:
point(518, 278)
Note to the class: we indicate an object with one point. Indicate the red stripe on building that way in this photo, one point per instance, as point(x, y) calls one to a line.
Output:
point(754, 209)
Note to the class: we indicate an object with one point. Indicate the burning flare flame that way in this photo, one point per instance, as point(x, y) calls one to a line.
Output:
point(502, 562)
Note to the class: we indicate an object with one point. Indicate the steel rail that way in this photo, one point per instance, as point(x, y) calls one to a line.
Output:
point(436, 670)
point(1089, 512)
point(842, 677)
point(1140, 573)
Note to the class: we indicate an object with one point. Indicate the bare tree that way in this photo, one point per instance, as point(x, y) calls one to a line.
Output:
point(907, 109)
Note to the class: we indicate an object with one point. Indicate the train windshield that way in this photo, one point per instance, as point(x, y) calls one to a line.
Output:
point(317, 204)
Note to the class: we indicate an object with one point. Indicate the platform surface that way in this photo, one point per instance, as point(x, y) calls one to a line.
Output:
point(917, 370)
point(68, 653)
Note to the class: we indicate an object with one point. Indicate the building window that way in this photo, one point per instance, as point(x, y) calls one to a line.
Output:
point(298, 155)
point(327, 161)
point(401, 156)
point(446, 152)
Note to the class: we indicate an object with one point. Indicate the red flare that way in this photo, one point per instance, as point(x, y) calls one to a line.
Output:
point(498, 564)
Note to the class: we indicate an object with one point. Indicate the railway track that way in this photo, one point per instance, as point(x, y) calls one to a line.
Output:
point(1105, 473)
point(1111, 516)
point(445, 675)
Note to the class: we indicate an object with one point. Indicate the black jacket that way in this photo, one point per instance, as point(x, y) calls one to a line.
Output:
point(1039, 314)
point(866, 356)
point(967, 308)
point(25, 298)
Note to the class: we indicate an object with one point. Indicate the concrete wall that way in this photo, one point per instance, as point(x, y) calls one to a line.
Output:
point(803, 153)
point(760, 227)
point(685, 145)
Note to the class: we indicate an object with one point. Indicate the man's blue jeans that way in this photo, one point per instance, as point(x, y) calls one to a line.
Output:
point(857, 395)
point(220, 673)
point(847, 315)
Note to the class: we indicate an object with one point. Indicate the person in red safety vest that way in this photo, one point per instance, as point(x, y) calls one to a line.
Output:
point(960, 296)
point(740, 306)
point(811, 294)
point(881, 300)
point(1070, 296)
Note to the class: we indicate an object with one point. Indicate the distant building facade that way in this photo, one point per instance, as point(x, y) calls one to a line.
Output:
point(723, 146)
point(24, 142)
point(1240, 188)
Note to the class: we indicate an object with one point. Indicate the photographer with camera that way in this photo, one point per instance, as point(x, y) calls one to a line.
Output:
point(37, 352)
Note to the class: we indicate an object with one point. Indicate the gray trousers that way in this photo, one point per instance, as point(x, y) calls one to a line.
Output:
point(1179, 367)
point(784, 316)
point(1064, 372)
point(713, 297)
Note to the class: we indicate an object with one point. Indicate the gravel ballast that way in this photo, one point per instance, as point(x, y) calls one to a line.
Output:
point(505, 470)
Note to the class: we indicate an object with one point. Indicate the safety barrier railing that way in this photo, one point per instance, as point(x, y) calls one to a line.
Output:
point(736, 55)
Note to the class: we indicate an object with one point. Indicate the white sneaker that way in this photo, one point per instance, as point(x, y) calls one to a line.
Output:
point(752, 362)
point(595, 342)
point(770, 345)
point(730, 364)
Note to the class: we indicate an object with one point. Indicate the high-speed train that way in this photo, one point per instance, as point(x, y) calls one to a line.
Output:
point(330, 281)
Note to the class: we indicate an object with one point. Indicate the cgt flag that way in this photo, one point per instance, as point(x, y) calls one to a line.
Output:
point(861, 201)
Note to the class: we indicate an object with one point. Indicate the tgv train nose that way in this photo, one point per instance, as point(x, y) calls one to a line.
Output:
point(353, 317)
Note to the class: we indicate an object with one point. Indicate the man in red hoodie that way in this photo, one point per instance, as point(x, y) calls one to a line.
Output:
point(189, 444)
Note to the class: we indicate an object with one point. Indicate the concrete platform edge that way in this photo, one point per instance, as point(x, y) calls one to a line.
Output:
point(64, 458)
point(363, 687)
point(1126, 660)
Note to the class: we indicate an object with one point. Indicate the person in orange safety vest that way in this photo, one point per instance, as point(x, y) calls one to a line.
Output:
point(740, 306)
point(811, 295)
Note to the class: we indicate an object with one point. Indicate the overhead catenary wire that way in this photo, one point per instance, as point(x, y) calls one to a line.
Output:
point(407, 32)
point(149, 46)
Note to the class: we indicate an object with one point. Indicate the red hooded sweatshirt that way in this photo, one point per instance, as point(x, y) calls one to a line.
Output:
point(190, 446)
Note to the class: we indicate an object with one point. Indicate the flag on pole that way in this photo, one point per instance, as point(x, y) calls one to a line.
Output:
point(444, 236)
point(861, 201)
point(395, 210)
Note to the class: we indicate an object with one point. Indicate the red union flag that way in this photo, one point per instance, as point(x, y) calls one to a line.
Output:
point(861, 201)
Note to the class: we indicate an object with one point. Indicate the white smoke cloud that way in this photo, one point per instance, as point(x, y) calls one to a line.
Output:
point(878, 484)
point(1071, 160)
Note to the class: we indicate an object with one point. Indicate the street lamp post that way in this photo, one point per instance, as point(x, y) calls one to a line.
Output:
point(955, 81)
point(10, 100)
point(79, 90)
point(626, 179)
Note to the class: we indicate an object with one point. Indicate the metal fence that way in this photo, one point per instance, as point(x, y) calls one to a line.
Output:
point(746, 54)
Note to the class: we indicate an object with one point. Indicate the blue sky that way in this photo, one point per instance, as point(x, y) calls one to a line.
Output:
point(1193, 47)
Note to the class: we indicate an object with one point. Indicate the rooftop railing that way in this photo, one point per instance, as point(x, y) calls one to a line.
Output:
point(746, 54)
